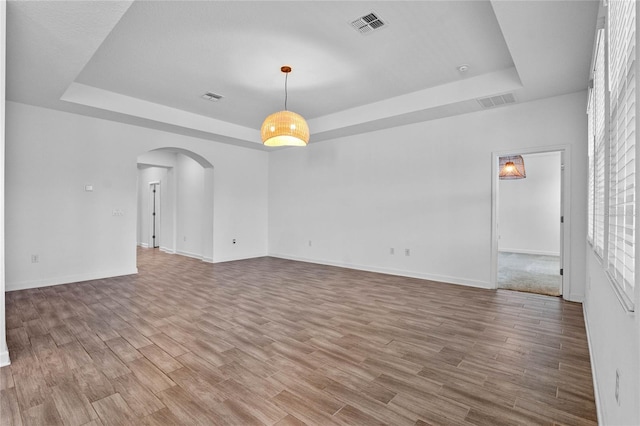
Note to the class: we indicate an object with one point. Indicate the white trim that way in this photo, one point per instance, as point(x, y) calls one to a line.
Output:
point(23, 285)
point(4, 356)
point(234, 258)
point(167, 250)
point(212, 260)
point(188, 254)
point(143, 245)
point(536, 252)
point(572, 297)
point(397, 272)
point(594, 375)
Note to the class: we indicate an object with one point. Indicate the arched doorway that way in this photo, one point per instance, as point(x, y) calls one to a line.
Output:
point(178, 216)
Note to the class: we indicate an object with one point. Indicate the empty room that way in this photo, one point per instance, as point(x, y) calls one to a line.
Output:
point(319, 212)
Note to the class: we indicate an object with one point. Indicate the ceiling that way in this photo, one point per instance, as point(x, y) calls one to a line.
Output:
point(148, 62)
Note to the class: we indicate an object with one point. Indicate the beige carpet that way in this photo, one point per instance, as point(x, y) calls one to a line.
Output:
point(530, 273)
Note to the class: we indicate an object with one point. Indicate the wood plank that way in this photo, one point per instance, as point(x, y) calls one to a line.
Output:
point(141, 401)
point(109, 364)
point(9, 408)
point(134, 337)
point(160, 358)
point(168, 345)
point(6, 378)
point(93, 384)
point(114, 411)
point(72, 405)
point(123, 349)
point(149, 375)
point(186, 410)
point(42, 414)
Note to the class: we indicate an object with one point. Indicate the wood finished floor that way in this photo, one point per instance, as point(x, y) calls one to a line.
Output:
point(271, 341)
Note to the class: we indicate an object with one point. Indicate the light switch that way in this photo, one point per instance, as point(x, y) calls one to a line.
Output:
point(88, 188)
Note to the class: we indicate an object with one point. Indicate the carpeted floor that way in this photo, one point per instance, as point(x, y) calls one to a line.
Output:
point(530, 273)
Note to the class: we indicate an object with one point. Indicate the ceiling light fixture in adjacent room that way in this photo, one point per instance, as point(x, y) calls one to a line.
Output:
point(285, 128)
point(512, 167)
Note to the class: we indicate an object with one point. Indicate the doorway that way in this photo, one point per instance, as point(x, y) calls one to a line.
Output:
point(175, 202)
point(529, 224)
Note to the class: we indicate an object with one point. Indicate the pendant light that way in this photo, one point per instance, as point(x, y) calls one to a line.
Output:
point(285, 128)
point(512, 167)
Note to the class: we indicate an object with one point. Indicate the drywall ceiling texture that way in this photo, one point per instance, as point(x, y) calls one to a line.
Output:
point(424, 187)
point(148, 63)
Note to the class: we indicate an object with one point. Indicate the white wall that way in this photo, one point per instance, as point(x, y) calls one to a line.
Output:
point(425, 187)
point(614, 337)
point(529, 209)
point(190, 210)
point(51, 155)
point(4, 352)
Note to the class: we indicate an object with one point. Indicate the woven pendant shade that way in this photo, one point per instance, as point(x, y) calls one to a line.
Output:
point(512, 167)
point(285, 128)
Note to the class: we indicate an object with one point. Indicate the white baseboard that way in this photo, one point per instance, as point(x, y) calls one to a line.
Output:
point(390, 271)
point(536, 252)
point(217, 259)
point(243, 257)
point(4, 355)
point(579, 298)
point(23, 285)
point(167, 250)
point(594, 376)
point(189, 254)
point(144, 245)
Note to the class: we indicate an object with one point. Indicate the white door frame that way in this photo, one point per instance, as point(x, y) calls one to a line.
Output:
point(565, 210)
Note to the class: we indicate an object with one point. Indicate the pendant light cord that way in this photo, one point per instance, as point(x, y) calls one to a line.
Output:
point(286, 77)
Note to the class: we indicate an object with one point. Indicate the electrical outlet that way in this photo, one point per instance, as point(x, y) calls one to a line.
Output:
point(309, 243)
point(35, 258)
point(392, 251)
point(618, 386)
point(407, 252)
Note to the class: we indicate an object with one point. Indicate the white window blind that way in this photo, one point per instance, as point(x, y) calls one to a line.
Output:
point(599, 148)
point(622, 149)
point(590, 146)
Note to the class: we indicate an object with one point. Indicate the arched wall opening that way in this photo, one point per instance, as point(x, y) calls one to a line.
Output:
point(180, 213)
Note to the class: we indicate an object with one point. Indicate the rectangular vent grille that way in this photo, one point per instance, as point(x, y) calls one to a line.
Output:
point(494, 101)
point(368, 23)
point(213, 97)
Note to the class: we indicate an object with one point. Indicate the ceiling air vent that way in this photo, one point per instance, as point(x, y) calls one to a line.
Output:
point(213, 97)
point(494, 101)
point(368, 23)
